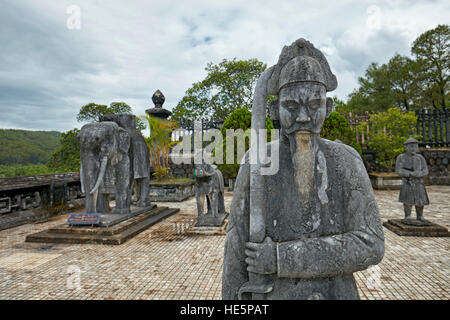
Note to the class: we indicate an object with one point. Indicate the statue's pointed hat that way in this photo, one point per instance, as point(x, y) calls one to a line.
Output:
point(301, 62)
point(411, 140)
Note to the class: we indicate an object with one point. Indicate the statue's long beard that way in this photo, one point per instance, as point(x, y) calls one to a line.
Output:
point(303, 160)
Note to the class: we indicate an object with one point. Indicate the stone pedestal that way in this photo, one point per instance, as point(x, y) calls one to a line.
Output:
point(209, 230)
point(113, 229)
point(208, 220)
point(416, 228)
point(385, 181)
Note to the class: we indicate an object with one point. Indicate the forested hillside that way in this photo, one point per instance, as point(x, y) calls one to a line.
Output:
point(27, 147)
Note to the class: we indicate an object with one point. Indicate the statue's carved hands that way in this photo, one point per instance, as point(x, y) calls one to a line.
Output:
point(416, 174)
point(261, 257)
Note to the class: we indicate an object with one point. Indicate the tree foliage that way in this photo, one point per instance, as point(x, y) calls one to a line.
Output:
point(336, 126)
point(388, 131)
point(241, 118)
point(67, 157)
point(17, 170)
point(227, 87)
point(408, 83)
point(432, 51)
point(23, 147)
point(159, 144)
point(92, 112)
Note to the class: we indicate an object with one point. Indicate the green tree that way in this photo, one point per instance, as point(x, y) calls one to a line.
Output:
point(241, 118)
point(358, 102)
point(159, 144)
point(388, 131)
point(376, 87)
point(402, 75)
point(23, 170)
point(92, 112)
point(227, 87)
point(67, 157)
point(432, 51)
point(27, 147)
point(336, 126)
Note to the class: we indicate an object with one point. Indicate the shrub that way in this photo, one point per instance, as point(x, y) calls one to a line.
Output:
point(240, 119)
point(388, 131)
point(159, 144)
point(336, 126)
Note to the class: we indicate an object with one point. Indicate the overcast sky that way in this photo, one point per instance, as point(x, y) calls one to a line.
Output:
point(126, 50)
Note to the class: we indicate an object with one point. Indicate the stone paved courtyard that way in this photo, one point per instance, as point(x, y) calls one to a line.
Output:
point(165, 262)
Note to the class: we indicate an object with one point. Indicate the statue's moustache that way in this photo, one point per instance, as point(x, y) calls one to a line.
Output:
point(299, 128)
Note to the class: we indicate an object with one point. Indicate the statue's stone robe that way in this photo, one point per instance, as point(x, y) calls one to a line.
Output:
point(320, 245)
point(412, 191)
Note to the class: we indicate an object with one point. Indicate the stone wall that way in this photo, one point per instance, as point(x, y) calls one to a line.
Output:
point(33, 198)
point(184, 170)
point(438, 165)
point(437, 160)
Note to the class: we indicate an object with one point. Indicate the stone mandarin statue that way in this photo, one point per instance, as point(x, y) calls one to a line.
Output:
point(302, 232)
point(412, 167)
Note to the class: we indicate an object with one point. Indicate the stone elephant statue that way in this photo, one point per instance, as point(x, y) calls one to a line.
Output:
point(209, 188)
point(105, 167)
point(139, 156)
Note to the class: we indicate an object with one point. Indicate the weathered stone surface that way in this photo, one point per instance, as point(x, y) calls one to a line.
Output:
point(115, 234)
point(303, 231)
point(171, 191)
point(139, 156)
point(437, 160)
point(105, 166)
point(427, 229)
point(209, 189)
point(412, 167)
point(385, 180)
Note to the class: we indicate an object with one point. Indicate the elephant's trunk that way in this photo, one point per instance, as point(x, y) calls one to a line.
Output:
point(101, 174)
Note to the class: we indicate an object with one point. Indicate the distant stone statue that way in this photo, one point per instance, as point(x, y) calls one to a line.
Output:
point(412, 167)
point(302, 232)
point(209, 189)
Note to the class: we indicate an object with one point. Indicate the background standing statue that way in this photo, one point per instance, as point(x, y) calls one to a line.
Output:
point(209, 189)
point(412, 167)
point(139, 156)
point(105, 166)
point(303, 231)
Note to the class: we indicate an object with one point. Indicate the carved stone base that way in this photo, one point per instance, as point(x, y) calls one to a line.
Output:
point(415, 222)
point(209, 231)
point(428, 230)
point(209, 220)
point(116, 232)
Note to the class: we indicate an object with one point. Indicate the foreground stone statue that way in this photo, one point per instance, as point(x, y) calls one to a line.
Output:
point(105, 167)
point(302, 232)
point(209, 189)
point(412, 167)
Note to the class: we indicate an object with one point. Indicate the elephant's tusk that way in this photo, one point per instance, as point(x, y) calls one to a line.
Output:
point(81, 177)
point(100, 175)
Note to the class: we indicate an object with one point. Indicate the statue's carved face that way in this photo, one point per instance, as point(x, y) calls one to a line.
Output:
point(411, 148)
point(303, 107)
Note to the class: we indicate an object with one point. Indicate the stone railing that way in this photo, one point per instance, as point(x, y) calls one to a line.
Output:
point(23, 193)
